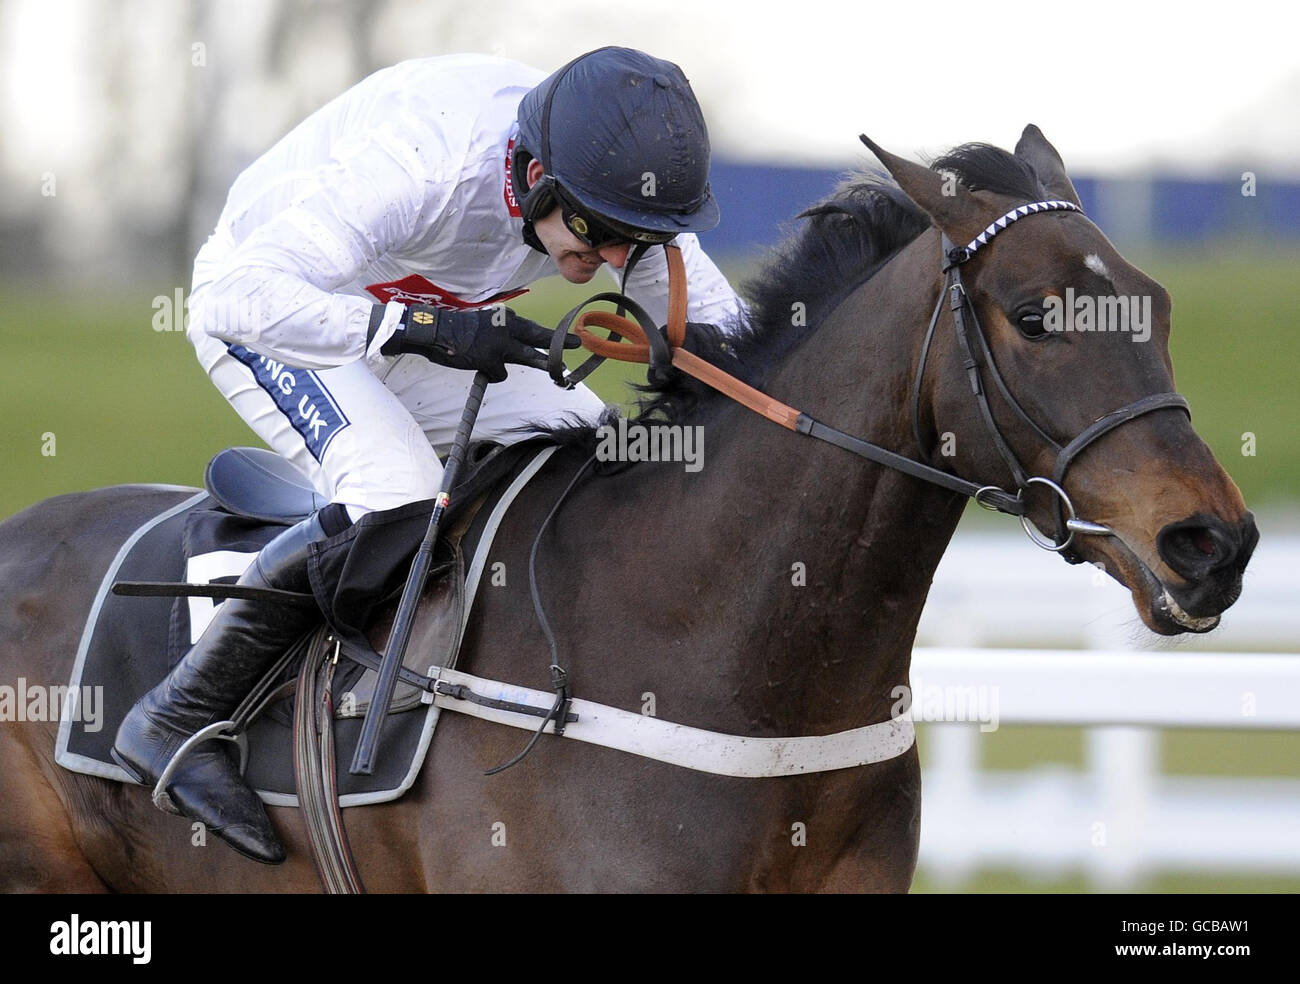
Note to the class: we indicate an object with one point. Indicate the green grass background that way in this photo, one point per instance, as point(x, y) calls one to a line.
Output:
point(126, 403)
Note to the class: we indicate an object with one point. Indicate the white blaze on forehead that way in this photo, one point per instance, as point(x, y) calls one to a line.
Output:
point(1094, 263)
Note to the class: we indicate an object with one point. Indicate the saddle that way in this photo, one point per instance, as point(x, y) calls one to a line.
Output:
point(131, 642)
point(260, 485)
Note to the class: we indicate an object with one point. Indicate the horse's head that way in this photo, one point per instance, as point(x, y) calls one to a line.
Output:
point(1076, 333)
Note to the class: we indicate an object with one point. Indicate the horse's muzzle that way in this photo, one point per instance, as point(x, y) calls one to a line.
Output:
point(1211, 556)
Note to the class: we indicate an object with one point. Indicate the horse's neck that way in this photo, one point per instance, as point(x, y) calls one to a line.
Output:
point(817, 562)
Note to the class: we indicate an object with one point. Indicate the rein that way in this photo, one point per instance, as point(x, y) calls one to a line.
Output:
point(646, 343)
point(659, 348)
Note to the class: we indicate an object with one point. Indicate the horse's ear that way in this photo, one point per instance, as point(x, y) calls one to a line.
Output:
point(1034, 149)
point(942, 197)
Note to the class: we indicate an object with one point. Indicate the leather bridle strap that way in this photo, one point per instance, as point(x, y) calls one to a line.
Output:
point(971, 363)
point(922, 445)
point(1112, 420)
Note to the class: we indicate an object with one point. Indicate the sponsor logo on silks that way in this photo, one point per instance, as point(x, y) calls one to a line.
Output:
point(416, 289)
point(512, 201)
point(300, 396)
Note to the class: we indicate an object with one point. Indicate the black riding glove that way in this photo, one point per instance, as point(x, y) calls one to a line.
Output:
point(483, 339)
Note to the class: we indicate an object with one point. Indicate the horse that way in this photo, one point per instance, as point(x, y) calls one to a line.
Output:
point(775, 591)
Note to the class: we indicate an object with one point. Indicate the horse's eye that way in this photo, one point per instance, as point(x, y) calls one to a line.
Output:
point(1030, 323)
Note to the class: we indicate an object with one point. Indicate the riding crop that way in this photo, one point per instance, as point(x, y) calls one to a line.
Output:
point(364, 757)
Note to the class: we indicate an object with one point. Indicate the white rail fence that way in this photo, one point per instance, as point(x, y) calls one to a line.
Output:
point(1079, 660)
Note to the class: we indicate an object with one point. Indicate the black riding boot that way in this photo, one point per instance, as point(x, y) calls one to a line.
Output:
point(240, 644)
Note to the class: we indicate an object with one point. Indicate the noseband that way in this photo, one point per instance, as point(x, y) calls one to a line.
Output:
point(977, 359)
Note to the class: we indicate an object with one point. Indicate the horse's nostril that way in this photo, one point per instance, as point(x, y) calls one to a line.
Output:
point(1197, 547)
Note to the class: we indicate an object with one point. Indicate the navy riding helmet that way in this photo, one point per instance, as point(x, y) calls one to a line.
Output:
point(624, 148)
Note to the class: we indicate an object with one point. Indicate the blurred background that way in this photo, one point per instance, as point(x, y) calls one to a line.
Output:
point(124, 122)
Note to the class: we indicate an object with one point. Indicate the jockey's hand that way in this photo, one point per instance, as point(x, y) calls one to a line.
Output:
point(483, 339)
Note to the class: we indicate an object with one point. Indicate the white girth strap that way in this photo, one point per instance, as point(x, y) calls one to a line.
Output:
point(677, 744)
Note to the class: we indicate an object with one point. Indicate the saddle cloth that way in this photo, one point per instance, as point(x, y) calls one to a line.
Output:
point(130, 643)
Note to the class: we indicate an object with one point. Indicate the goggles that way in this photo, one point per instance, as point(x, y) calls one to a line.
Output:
point(599, 232)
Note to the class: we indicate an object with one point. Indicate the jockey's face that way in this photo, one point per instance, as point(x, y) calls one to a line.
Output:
point(577, 262)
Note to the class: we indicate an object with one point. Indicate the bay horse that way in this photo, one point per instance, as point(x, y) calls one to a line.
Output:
point(678, 584)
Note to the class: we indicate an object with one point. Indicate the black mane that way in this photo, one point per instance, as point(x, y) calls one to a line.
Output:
point(983, 167)
point(845, 239)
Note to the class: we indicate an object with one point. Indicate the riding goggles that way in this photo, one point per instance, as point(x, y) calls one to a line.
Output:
point(599, 232)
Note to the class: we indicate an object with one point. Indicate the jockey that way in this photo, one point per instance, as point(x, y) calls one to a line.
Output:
point(351, 288)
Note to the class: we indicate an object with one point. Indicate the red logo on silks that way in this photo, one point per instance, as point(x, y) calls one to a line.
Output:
point(418, 290)
point(512, 203)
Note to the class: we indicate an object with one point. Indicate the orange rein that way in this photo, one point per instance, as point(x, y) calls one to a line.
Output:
point(636, 348)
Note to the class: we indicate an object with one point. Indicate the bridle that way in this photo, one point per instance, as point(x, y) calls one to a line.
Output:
point(663, 347)
point(977, 358)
